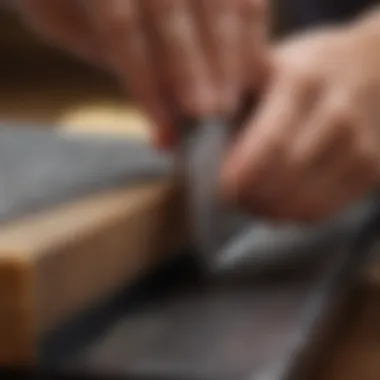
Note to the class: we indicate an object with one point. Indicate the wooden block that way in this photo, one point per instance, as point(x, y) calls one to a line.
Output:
point(56, 264)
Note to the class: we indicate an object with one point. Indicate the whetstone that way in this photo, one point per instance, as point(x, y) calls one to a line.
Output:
point(57, 263)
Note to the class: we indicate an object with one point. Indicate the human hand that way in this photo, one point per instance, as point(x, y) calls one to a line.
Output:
point(176, 57)
point(313, 145)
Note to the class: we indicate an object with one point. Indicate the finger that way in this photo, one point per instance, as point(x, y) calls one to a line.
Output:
point(258, 159)
point(221, 24)
point(319, 192)
point(323, 149)
point(256, 59)
point(343, 172)
point(182, 55)
point(62, 22)
point(332, 188)
point(333, 123)
point(120, 30)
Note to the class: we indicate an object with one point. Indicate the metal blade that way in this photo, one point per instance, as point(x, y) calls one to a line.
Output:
point(212, 225)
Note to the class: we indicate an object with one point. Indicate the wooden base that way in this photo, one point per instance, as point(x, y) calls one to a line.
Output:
point(58, 263)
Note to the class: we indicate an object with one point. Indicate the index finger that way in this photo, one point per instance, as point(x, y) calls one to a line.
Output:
point(120, 30)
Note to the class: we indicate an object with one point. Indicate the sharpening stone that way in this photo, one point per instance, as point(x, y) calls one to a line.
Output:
point(43, 168)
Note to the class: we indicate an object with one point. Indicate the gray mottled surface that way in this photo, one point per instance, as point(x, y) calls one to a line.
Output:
point(40, 168)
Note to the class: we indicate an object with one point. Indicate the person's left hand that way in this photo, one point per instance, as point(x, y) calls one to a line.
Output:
point(313, 145)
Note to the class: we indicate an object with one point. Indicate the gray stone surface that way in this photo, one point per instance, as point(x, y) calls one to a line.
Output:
point(40, 169)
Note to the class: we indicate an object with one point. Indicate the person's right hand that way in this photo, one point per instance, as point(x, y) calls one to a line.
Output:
point(177, 57)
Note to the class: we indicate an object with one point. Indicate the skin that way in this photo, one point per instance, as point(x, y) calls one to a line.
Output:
point(312, 147)
point(178, 58)
point(309, 149)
